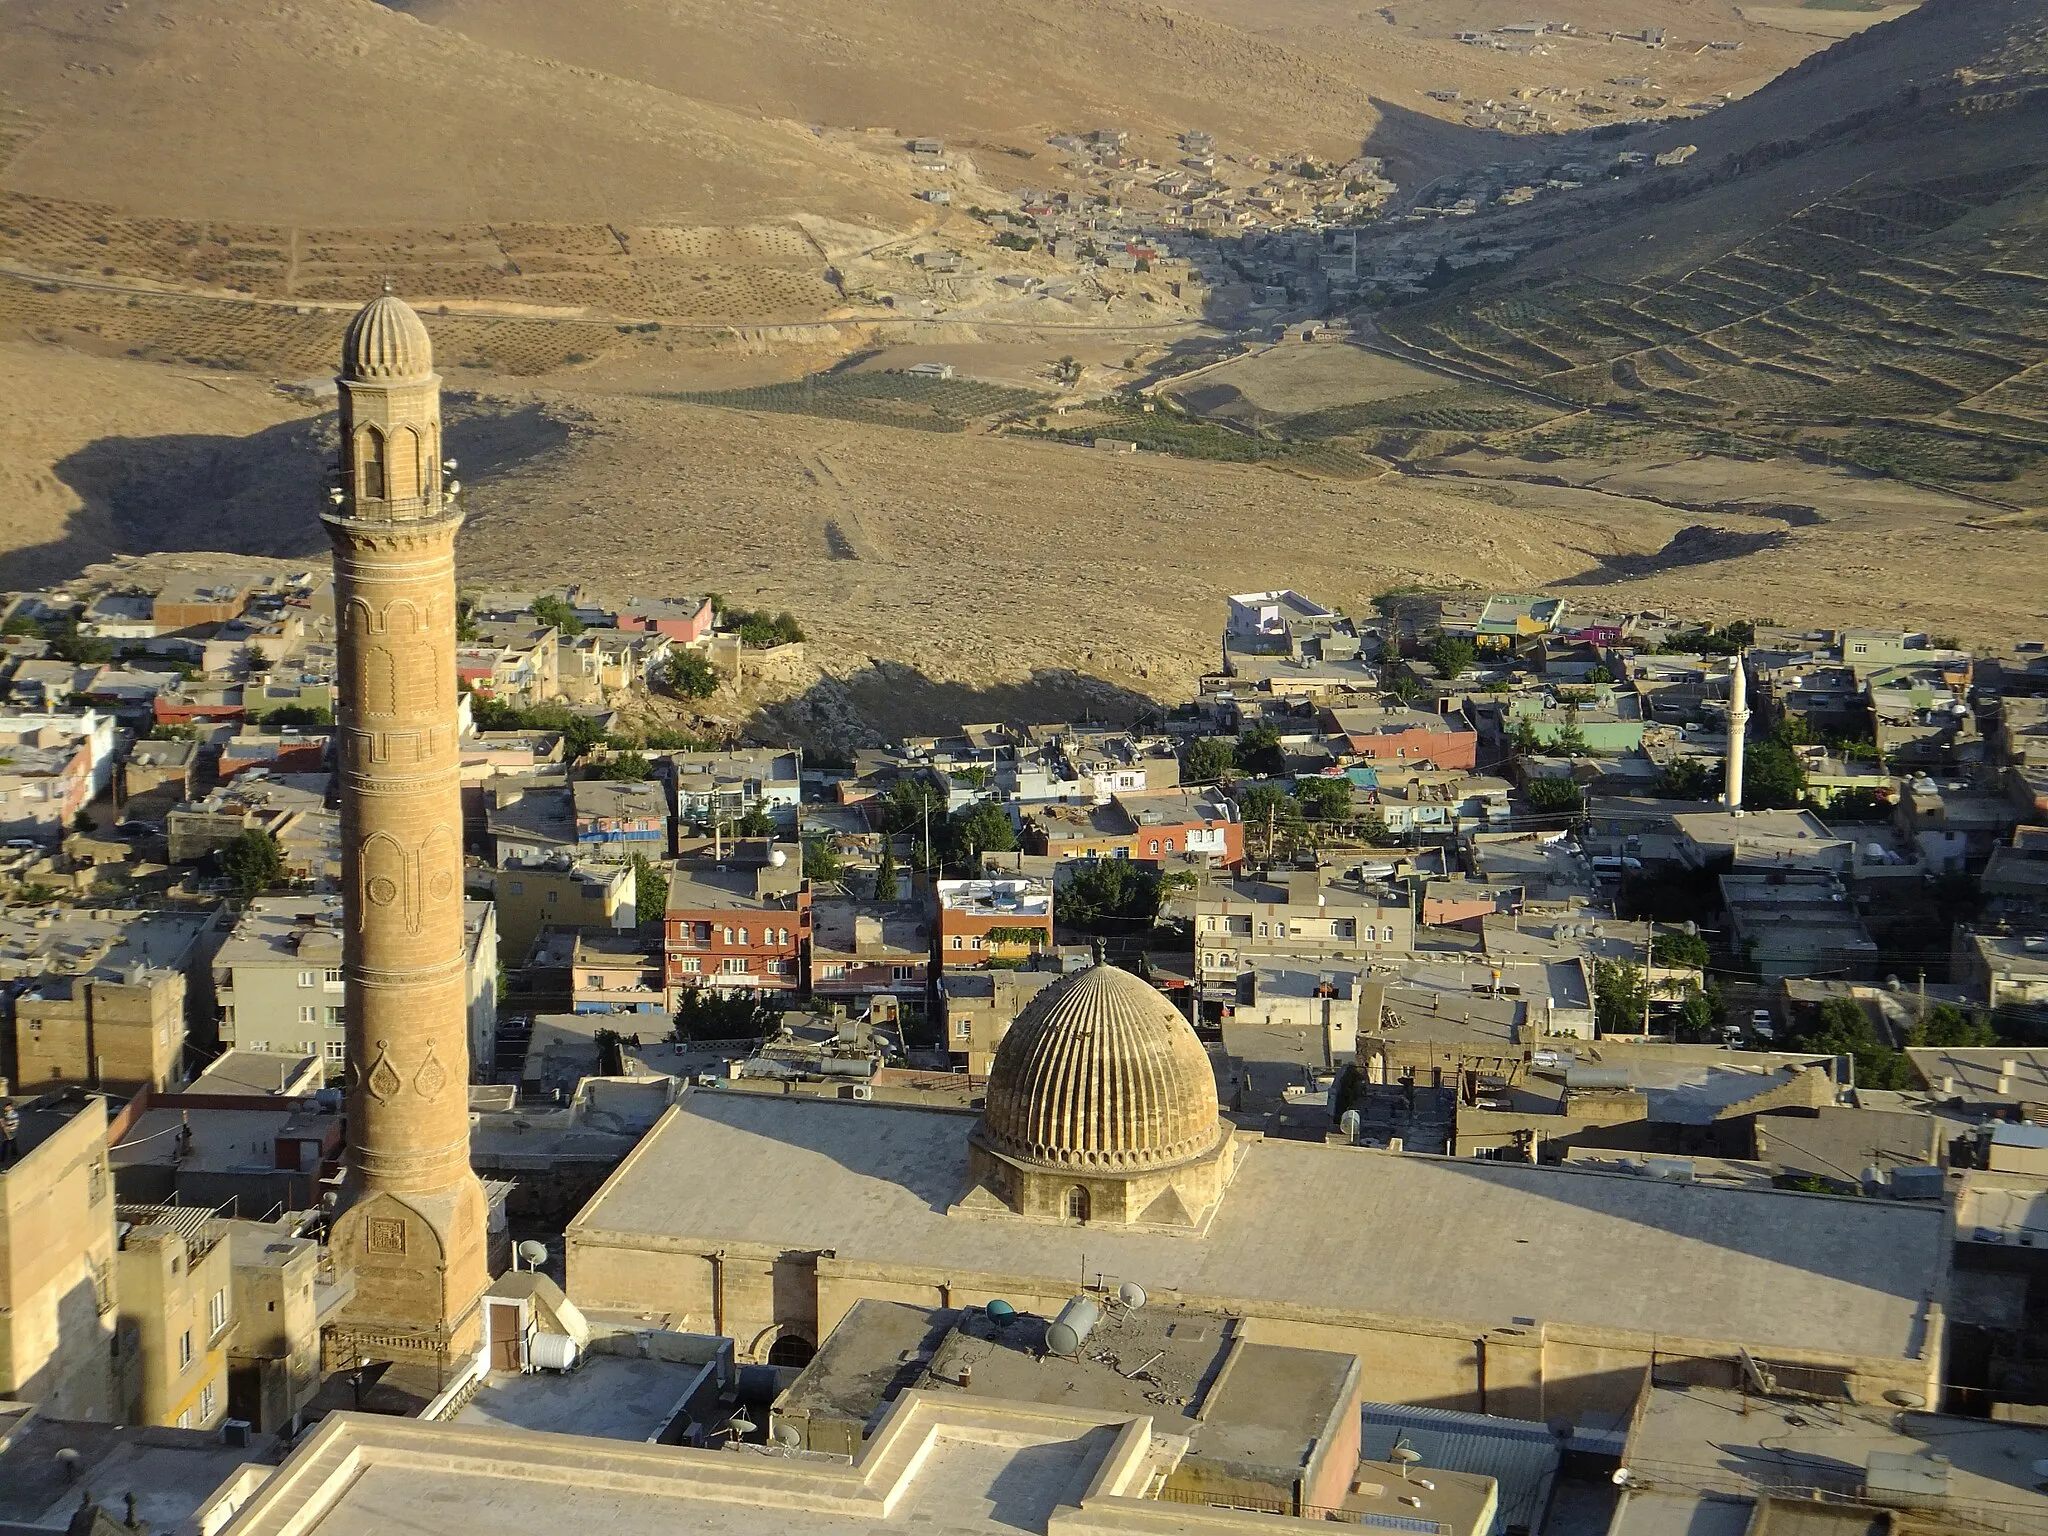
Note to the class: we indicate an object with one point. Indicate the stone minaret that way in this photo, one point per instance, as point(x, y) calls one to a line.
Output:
point(1738, 729)
point(412, 1220)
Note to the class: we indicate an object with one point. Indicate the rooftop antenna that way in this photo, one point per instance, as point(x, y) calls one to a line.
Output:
point(1404, 1456)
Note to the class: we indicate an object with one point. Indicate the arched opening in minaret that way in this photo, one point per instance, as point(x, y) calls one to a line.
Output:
point(370, 463)
point(792, 1350)
point(402, 465)
point(1078, 1204)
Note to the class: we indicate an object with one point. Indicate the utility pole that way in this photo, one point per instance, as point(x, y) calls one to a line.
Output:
point(1649, 943)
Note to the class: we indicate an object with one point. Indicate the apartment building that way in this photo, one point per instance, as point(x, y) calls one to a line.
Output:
point(278, 984)
point(1306, 917)
point(561, 891)
point(59, 1344)
point(992, 919)
point(102, 997)
point(176, 1288)
point(52, 765)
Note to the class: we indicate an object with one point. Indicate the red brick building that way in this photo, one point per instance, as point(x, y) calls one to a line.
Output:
point(742, 924)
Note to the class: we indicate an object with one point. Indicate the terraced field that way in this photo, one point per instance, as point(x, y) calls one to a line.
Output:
point(1901, 326)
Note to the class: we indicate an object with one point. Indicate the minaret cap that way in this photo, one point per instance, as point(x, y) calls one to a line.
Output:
point(386, 340)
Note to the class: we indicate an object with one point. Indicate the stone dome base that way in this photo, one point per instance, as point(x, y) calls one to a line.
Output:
point(1179, 1197)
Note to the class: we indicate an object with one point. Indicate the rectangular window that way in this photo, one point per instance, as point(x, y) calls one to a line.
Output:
point(307, 978)
point(185, 1349)
point(902, 973)
point(185, 1419)
point(518, 887)
point(217, 1312)
point(337, 1051)
point(958, 942)
point(333, 978)
point(308, 1015)
point(206, 1402)
point(735, 966)
point(551, 898)
point(1265, 930)
point(691, 966)
point(595, 981)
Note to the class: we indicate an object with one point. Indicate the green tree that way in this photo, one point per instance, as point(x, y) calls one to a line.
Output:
point(623, 766)
point(1773, 778)
point(1690, 778)
point(983, 827)
point(1452, 656)
point(254, 861)
point(1258, 752)
point(1207, 759)
point(20, 624)
point(650, 888)
point(467, 631)
point(1571, 741)
point(1859, 805)
point(690, 676)
point(553, 610)
point(1619, 997)
point(1841, 1027)
point(702, 1014)
point(1524, 740)
point(1269, 810)
point(822, 861)
point(1109, 895)
point(755, 822)
point(1681, 949)
point(1948, 1025)
point(1323, 799)
point(80, 649)
point(82, 822)
point(1554, 797)
point(886, 879)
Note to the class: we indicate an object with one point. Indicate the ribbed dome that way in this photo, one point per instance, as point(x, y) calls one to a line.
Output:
point(386, 340)
point(1100, 1072)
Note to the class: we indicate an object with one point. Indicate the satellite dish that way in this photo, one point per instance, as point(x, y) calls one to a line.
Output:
point(786, 1434)
point(778, 858)
point(1001, 1313)
point(535, 1254)
point(1623, 1477)
point(1899, 1397)
point(740, 1425)
point(67, 1458)
point(1131, 1294)
point(1407, 1455)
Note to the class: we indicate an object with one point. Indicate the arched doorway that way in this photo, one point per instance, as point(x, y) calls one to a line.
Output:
point(792, 1350)
point(1077, 1204)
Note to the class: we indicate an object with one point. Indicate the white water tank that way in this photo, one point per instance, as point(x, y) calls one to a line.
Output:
point(552, 1352)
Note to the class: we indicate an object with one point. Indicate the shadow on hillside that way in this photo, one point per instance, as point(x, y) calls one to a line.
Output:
point(256, 495)
point(886, 701)
point(1690, 546)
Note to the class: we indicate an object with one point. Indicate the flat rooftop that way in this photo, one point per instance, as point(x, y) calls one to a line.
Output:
point(171, 1472)
point(607, 1397)
point(1480, 1242)
point(936, 1467)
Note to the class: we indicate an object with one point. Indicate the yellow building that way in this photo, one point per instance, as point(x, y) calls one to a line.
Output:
point(177, 1295)
point(57, 1319)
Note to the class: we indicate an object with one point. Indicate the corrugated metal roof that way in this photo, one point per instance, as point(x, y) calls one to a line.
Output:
point(1519, 1455)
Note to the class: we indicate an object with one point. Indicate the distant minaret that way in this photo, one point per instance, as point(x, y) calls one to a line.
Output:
point(1738, 728)
point(412, 1220)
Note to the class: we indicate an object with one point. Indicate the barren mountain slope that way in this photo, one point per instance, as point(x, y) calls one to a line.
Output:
point(347, 112)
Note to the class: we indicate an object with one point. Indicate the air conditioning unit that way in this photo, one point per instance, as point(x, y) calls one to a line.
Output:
point(235, 1432)
point(863, 1091)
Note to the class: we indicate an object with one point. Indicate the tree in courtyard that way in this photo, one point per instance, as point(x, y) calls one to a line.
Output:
point(1452, 656)
point(1950, 1026)
point(983, 827)
point(650, 889)
point(1773, 778)
point(1324, 800)
point(822, 860)
point(1109, 896)
point(254, 861)
point(1554, 797)
point(1207, 759)
point(1259, 754)
point(554, 611)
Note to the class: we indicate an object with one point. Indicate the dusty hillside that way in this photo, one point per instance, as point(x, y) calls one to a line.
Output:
point(76, 429)
point(348, 112)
